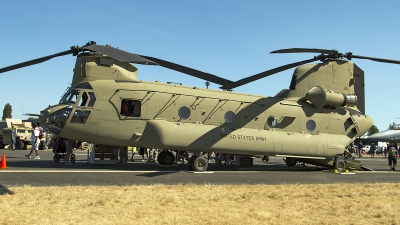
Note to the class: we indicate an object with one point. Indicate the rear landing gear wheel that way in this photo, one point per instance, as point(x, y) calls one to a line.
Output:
point(291, 161)
point(339, 164)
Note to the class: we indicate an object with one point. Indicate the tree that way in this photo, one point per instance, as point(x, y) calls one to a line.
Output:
point(7, 111)
point(373, 130)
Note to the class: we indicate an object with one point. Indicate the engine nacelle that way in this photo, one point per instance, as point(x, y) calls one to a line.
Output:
point(324, 98)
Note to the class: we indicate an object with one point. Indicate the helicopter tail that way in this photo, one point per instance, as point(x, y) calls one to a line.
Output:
point(328, 84)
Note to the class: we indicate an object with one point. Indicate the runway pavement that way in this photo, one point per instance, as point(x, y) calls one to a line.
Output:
point(44, 172)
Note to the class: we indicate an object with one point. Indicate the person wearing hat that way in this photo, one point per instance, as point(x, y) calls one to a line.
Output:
point(35, 141)
point(392, 155)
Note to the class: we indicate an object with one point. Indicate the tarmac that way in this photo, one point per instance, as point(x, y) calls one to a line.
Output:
point(45, 171)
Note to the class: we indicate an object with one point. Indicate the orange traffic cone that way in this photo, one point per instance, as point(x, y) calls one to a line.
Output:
point(3, 162)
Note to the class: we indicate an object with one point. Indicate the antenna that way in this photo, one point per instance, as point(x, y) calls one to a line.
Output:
point(207, 84)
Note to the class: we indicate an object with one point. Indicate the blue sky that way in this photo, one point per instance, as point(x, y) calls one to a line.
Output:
point(231, 39)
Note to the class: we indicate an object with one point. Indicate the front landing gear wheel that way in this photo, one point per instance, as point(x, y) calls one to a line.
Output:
point(200, 164)
point(339, 164)
point(166, 158)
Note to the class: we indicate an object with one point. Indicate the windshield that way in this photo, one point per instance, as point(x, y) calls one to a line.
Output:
point(70, 96)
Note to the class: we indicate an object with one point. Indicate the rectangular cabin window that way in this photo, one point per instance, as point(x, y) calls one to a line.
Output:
point(130, 108)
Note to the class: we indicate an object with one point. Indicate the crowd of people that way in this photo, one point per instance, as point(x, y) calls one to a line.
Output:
point(391, 151)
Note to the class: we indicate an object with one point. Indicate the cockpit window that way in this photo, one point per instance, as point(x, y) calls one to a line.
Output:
point(84, 99)
point(80, 116)
point(55, 122)
point(130, 108)
point(70, 96)
point(92, 99)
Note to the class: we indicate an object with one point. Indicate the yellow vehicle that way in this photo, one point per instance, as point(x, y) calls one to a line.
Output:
point(23, 131)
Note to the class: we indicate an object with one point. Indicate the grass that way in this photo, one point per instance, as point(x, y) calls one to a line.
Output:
point(203, 204)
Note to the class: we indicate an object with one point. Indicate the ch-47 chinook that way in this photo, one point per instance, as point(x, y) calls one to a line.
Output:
point(313, 121)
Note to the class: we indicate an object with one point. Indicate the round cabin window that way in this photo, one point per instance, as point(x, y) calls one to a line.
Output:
point(230, 117)
point(272, 121)
point(311, 125)
point(184, 112)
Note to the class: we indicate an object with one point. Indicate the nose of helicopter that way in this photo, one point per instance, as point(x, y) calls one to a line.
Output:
point(53, 118)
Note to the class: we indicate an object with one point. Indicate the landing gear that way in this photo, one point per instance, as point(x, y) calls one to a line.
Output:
point(265, 158)
point(198, 163)
point(339, 164)
point(290, 161)
point(166, 158)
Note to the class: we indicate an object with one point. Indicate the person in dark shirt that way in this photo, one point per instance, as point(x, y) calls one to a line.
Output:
point(392, 155)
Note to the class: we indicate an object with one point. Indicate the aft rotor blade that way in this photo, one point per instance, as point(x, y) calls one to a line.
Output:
point(376, 59)
point(268, 73)
point(192, 72)
point(120, 55)
point(305, 50)
point(34, 61)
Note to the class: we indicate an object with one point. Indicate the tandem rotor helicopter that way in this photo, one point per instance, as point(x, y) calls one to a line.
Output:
point(313, 121)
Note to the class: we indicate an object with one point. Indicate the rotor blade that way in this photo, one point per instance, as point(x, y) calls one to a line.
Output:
point(268, 73)
point(376, 59)
point(34, 61)
point(304, 50)
point(120, 55)
point(32, 114)
point(192, 72)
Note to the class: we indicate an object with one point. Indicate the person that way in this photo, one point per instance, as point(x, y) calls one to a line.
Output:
point(141, 152)
point(360, 149)
point(68, 151)
point(35, 141)
point(125, 108)
point(133, 154)
point(13, 140)
point(41, 131)
point(385, 150)
point(372, 150)
point(392, 155)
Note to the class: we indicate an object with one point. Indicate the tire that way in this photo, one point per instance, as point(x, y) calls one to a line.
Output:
point(339, 164)
point(291, 161)
point(200, 164)
point(56, 158)
point(161, 157)
point(72, 158)
point(190, 162)
point(265, 159)
point(169, 158)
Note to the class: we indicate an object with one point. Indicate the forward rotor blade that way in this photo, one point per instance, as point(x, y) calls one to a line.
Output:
point(268, 73)
point(376, 59)
point(192, 72)
point(120, 55)
point(34, 61)
point(305, 50)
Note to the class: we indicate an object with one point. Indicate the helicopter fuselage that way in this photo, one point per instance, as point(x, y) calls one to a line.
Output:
point(168, 116)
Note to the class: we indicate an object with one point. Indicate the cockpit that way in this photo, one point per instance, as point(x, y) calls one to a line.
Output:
point(78, 101)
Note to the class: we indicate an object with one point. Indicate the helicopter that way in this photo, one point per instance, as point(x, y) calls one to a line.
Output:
point(313, 121)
